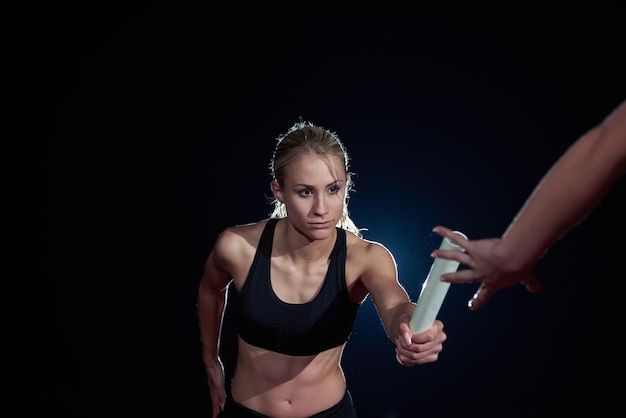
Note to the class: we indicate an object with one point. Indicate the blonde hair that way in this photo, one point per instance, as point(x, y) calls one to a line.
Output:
point(305, 138)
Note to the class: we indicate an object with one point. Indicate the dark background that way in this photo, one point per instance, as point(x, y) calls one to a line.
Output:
point(158, 127)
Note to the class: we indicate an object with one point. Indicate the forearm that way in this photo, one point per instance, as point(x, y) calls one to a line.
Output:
point(211, 305)
point(568, 192)
point(392, 318)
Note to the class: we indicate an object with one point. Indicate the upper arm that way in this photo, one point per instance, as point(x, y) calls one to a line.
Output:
point(220, 263)
point(380, 278)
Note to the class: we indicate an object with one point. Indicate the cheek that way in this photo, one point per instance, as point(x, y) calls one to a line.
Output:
point(338, 201)
point(335, 204)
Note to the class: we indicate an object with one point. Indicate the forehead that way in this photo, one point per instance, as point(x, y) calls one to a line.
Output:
point(315, 168)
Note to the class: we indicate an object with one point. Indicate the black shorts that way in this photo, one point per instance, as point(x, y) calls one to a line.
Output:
point(343, 409)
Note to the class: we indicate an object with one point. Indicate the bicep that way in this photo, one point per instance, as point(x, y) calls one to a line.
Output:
point(380, 278)
point(213, 278)
point(218, 265)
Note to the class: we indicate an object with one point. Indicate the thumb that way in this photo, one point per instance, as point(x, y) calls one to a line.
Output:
point(405, 333)
point(533, 285)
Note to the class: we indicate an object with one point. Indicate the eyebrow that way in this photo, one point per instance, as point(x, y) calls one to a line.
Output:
point(336, 182)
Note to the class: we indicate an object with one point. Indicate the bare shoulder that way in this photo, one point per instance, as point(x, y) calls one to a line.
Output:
point(371, 269)
point(239, 239)
point(368, 253)
point(232, 255)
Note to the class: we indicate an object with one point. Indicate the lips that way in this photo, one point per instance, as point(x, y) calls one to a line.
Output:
point(320, 225)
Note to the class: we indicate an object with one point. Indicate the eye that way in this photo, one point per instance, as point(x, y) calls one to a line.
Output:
point(334, 189)
point(305, 192)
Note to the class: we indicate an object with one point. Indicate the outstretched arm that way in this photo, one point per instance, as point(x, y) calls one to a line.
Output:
point(568, 192)
point(395, 309)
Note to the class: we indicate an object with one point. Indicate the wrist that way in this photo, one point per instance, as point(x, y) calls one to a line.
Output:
point(509, 259)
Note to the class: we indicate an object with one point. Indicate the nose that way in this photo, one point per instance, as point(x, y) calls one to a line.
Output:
point(320, 206)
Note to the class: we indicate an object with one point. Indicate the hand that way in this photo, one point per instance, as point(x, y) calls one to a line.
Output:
point(413, 349)
point(215, 378)
point(484, 266)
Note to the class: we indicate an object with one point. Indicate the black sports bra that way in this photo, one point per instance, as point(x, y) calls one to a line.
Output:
point(295, 329)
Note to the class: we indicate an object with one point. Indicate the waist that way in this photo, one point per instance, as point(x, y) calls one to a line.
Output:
point(343, 408)
point(279, 385)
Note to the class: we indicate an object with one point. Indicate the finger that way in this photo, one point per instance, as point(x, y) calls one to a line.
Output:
point(442, 230)
point(461, 277)
point(481, 297)
point(533, 285)
point(406, 339)
point(453, 236)
point(456, 255)
point(404, 360)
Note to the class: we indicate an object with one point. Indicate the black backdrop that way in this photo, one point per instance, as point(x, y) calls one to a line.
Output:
point(159, 125)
